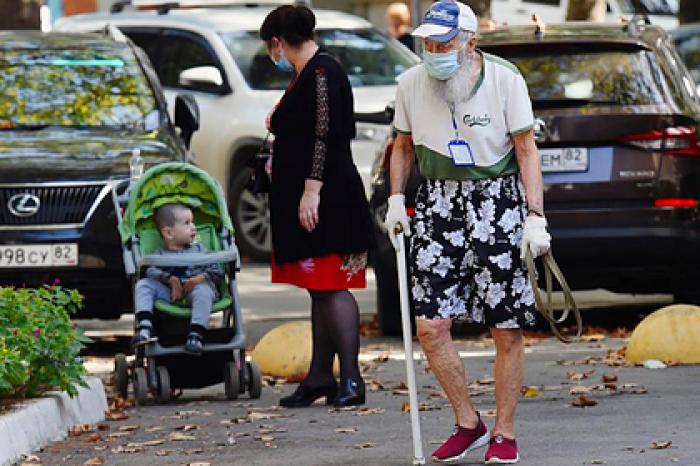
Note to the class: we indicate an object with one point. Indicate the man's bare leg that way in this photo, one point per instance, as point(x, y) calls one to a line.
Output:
point(509, 378)
point(435, 338)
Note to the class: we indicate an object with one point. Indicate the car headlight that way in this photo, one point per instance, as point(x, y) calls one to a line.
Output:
point(372, 132)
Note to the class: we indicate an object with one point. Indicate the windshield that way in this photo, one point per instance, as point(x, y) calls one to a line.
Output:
point(650, 7)
point(602, 78)
point(688, 47)
point(358, 50)
point(77, 88)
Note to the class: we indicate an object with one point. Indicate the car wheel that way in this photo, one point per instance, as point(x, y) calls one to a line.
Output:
point(251, 218)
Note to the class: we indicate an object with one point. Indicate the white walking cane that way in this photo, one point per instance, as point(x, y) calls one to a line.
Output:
point(397, 239)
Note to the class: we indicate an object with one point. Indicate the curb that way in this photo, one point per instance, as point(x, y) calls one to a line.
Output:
point(37, 422)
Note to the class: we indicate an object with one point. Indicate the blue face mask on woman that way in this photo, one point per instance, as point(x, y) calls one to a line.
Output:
point(441, 66)
point(282, 64)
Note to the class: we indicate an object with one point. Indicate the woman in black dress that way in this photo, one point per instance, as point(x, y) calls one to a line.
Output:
point(321, 227)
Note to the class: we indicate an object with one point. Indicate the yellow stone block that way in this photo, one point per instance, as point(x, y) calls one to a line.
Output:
point(670, 334)
point(285, 351)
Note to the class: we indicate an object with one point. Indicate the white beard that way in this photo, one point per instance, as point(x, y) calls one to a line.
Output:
point(459, 87)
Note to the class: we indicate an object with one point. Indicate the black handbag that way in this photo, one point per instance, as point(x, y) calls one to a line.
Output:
point(259, 182)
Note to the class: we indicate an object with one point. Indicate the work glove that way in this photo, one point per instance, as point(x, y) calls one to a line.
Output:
point(535, 236)
point(396, 215)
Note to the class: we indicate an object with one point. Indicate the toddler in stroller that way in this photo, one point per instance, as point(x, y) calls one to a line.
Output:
point(197, 284)
point(180, 252)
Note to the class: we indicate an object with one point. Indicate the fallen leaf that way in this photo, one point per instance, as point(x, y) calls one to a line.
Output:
point(486, 381)
point(579, 390)
point(610, 386)
point(375, 385)
point(398, 392)
point(346, 430)
point(126, 449)
point(187, 427)
point(80, 429)
point(118, 434)
point(383, 357)
point(583, 402)
point(633, 388)
point(425, 406)
point(162, 452)
point(178, 437)
point(576, 376)
point(552, 388)
point(103, 426)
point(530, 392)
point(259, 416)
point(155, 429)
point(362, 446)
point(607, 378)
point(199, 463)
point(193, 451)
point(369, 411)
point(95, 461)
point(264, 438)
point(93, 438)
point(661, 445)
point(116, 415)
point(593, 337)
point(488, 413)
point(147, 443)
point(405, 407)
point(129, 428)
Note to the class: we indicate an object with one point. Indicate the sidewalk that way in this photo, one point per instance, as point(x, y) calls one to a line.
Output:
point(202, 428)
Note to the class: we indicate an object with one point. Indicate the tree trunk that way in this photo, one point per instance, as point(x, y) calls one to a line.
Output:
point(689, 11)
point(482, 8)
point(586, 10)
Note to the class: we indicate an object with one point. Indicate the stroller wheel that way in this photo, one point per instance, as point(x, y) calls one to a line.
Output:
point(164, 390)
point(121, 375)
point(140, 385)
point(254, 380)
point(232, 382)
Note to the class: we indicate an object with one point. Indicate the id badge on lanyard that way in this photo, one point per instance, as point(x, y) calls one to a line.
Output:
point(458, 148)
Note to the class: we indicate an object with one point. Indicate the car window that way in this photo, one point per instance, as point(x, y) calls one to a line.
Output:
point(72, 87)
point(148, 41)
point(357, 50)
point(688, 47)
point(614, 77)
point(650, 7)
point(182, 52)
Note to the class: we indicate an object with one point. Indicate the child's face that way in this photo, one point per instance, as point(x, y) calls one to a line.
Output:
point(183, 231)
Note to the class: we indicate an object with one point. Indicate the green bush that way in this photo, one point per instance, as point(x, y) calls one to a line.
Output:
point(39, 345)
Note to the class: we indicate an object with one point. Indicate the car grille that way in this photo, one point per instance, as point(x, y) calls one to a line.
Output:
point(59, 204)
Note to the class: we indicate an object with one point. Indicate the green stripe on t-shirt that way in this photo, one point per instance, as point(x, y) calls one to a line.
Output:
point(436, 166)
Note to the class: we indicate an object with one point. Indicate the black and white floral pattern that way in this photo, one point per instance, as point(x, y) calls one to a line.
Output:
point(465, 253)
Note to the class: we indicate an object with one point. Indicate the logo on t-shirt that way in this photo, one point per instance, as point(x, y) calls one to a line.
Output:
point(477, 120)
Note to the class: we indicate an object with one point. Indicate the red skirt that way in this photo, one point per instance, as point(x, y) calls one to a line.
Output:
point(332, 272)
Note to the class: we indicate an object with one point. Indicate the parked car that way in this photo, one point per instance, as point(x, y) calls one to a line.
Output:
point(216, 54)
point(74, 110)
point(617, 122)
point(687, 40)
point(514, 12)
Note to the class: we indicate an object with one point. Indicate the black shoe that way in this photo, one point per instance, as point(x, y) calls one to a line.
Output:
point(142, 336)
point(352, 393)
point(194, 344)
point(304, 396)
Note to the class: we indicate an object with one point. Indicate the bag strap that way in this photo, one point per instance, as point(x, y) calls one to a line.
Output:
point(546, 307)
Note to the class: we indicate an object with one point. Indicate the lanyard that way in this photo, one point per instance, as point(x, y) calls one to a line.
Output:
point(454, 120)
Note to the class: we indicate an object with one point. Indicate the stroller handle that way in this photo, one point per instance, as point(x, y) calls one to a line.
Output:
point(184, 260)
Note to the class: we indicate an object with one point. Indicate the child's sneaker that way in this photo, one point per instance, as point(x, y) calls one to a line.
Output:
point(143, 335)
point(194, 344)
point(461, 442)
point(502, 451)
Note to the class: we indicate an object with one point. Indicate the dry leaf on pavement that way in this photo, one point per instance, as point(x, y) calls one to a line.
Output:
point(162, 452)
point(199, 463)
point(405, 407)
point(486, 381)
point(147, 443)
point(116, 415)
point(369, 411)
point(576, 376)
point(383, 357)
point(607, 378)
point(80, 429)
point(102, 426)
point(94, 438)
point(375, 385)
point(126, 449)
point(592, 337)
point(425, 406)
point(530, 392)
point(488, 413)
point(187, 427)
point(129, 428)
point(95, 461)
point(661, 445)
point(346, 430)
point(579, 390)
point(362, 446)
point(179, 437)
point(583, 402)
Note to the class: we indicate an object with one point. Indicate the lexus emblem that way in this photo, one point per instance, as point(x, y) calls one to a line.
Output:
point(24, 205)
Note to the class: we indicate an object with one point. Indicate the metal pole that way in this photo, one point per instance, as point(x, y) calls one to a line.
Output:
point(399, 244)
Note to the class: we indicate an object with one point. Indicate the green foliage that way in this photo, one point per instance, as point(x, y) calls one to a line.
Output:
point(39, 346)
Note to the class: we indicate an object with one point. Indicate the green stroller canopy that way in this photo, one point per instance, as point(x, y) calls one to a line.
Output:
point(179, 183)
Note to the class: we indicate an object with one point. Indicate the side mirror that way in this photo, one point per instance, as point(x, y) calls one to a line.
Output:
point(208, 77)
point(186, 117)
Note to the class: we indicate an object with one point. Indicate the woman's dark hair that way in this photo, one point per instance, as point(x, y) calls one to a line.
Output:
point(293, 23)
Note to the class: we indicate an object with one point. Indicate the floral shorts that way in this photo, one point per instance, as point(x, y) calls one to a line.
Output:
point(465, 253)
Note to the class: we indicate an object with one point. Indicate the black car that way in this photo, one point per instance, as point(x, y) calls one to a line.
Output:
point(616, 125)
point(75, 111)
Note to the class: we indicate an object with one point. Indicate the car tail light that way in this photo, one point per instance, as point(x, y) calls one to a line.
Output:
point(388, 149)
point(679, 140)
point(676, 203)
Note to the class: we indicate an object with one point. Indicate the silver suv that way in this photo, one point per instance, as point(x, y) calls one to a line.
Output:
point(216, 54)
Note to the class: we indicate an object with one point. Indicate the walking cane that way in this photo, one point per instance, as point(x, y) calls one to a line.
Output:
point(399, 246)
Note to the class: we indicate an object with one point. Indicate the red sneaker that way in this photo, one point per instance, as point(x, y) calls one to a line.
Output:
point(502, 451)
point(461, 442)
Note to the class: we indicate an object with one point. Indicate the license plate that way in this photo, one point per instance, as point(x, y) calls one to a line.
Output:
point(570, 159)
point(39, 255)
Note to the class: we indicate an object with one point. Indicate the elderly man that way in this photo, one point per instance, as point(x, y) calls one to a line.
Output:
point(467, 117)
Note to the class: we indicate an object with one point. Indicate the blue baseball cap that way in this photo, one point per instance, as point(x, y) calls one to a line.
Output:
point(444, 20)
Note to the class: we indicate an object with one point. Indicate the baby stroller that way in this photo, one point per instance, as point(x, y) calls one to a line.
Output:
point(162, 366)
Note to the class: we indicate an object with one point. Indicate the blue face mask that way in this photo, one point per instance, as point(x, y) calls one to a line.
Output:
point(441, 66)
point(282, 64)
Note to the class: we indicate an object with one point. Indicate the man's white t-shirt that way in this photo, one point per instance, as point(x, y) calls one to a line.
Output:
point(498, 108)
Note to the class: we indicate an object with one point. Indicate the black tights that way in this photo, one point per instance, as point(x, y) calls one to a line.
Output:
point(335, 322)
